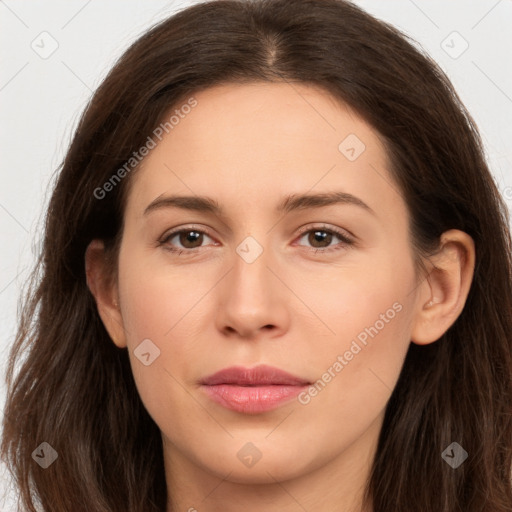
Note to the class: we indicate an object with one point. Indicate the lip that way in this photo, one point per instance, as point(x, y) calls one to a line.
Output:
point(252, 390)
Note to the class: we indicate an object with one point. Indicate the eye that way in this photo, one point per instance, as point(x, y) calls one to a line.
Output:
point(184, 240)
point(321, 237)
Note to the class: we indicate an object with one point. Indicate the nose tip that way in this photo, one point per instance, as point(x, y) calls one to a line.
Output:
point(252, 301)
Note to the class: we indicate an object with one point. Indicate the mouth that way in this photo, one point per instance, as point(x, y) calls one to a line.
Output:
point(252, 390)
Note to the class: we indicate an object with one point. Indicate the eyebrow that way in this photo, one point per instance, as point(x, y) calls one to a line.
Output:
point(290, 203)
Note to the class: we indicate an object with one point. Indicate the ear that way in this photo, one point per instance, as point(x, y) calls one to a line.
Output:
point(103, 286)
point(443, 293)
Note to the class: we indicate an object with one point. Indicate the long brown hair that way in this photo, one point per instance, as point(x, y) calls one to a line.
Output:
point(74, 388)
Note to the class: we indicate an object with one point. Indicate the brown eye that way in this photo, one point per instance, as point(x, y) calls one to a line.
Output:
point(184, 239)
point(190, 239)
point(320, 239)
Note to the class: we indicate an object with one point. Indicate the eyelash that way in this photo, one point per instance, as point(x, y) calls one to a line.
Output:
point(346, 241)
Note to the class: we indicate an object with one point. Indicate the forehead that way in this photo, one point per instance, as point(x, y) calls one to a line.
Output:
point(249, 142)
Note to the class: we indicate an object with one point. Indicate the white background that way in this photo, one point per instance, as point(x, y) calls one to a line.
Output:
point(41, 98)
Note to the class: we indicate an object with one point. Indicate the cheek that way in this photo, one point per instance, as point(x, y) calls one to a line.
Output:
point(158, 296)
point(364, 301)
point(158, 312)
point(357, 368)
point(354, 381)
point(161, 307)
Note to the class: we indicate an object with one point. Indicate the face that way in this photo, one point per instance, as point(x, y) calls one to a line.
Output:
point(320, 288)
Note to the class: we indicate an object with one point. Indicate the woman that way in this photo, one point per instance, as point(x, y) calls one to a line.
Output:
point(193, 345)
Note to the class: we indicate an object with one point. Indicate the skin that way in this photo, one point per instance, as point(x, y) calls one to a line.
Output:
point(248, 146)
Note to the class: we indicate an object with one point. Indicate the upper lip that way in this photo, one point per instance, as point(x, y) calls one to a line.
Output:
point(259, 375)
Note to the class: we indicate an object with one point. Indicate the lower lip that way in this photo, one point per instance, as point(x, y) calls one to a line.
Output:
point(252, 399)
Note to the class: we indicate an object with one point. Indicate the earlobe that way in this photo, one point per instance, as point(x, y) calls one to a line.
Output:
point(447, 287)
point(104, 289)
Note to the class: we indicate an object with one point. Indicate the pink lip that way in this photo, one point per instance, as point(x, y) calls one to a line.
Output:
point(252, 390)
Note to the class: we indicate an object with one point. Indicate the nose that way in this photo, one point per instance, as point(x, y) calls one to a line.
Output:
point(252, 300)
